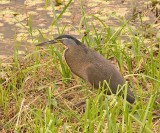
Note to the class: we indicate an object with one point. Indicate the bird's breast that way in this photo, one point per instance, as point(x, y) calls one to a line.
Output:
point(78, 62)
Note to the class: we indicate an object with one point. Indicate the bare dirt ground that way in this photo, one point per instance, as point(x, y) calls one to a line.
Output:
point(15, 15)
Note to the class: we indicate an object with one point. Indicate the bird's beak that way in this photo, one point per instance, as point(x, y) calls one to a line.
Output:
point(48, 42)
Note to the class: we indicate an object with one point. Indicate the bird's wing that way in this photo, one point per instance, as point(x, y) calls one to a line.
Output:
point(97, 73)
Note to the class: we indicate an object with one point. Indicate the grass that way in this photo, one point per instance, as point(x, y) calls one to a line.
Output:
point(40, 94)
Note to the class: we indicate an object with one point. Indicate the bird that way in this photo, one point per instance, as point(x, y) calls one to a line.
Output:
point(91, 66)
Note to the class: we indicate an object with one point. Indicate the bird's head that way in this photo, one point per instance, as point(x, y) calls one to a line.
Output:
point(67, 40)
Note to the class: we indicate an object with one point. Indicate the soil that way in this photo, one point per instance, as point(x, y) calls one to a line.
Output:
point(17, 15)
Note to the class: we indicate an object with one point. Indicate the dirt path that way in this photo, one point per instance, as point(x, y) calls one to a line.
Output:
point(15, 14)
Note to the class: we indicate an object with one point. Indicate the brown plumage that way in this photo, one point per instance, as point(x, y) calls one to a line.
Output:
point(90, 65)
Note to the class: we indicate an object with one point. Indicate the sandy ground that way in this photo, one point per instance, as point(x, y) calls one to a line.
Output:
point(15, 16)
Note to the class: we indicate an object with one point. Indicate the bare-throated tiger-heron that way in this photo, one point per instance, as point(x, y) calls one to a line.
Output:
point(90, 65)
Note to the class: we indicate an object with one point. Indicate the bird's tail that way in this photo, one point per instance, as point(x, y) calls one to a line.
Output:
point(130, 96)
